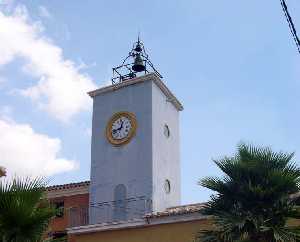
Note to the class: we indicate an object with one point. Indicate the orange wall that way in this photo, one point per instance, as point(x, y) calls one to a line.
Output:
point(176, 232)
point(60, 224)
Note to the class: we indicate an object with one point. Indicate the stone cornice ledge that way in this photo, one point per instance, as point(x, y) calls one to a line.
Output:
point(92, 228)
point(137, 223)
point(148, 77)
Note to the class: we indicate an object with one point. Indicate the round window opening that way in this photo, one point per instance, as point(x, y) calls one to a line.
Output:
point(167, 186)
point(166, 131)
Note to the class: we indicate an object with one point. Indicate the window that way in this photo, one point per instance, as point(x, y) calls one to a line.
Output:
point(166, 131)
point(167, 186)
point(59, 237)
point(60, 208)
point(120, 203)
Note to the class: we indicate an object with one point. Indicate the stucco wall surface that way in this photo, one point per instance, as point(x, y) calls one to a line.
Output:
point(166, 151)
point(130, 164)
point(144, 164)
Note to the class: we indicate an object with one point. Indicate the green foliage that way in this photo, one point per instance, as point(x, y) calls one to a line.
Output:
point(24, 211)
point(252, 200)
point(63, 239)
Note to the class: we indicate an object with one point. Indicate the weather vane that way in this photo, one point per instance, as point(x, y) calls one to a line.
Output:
point(141, 64)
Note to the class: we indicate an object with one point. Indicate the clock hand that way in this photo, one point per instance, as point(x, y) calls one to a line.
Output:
point(120, 126)
point(118, 129)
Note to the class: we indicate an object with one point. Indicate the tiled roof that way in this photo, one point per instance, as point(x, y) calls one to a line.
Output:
point(68, 186)
point(179, 210)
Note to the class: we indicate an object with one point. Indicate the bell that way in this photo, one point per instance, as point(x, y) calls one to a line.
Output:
point(138, 64)
point(138, 47)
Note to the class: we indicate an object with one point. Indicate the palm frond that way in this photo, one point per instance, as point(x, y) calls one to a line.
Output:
point(24, 212)
point(252, 200)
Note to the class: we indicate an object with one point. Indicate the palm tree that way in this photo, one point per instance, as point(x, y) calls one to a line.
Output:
point(252, 201)
point(24, 211)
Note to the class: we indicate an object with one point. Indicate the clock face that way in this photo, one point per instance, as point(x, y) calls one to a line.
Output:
point(121, 128)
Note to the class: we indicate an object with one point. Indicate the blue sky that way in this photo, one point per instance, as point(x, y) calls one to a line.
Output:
point(233, 65)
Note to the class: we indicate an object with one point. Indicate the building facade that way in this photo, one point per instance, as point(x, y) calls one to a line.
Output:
point(134, 190)
point(135, 167)
point(71, 223)
point(72, 203)
point(176, 224)
point(142, 174)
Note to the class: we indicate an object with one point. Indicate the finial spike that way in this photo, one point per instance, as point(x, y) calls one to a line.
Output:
point(138, 47)
point(139, 34)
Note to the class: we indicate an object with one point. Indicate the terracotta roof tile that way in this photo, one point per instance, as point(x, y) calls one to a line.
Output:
point(68, 186)
point(185, 209)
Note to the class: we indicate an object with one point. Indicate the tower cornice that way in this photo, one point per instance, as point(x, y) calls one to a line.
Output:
point(148, 77)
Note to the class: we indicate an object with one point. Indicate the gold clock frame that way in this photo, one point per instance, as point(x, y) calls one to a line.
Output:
point(130, 135)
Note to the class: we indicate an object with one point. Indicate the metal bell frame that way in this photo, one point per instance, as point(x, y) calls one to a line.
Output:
point(130, 70)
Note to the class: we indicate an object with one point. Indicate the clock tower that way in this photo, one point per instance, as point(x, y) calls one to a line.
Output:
point(135, 157)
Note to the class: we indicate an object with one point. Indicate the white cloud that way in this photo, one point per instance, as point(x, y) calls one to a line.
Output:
point(26, 152)
point(43, 12)
point(61, 89)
